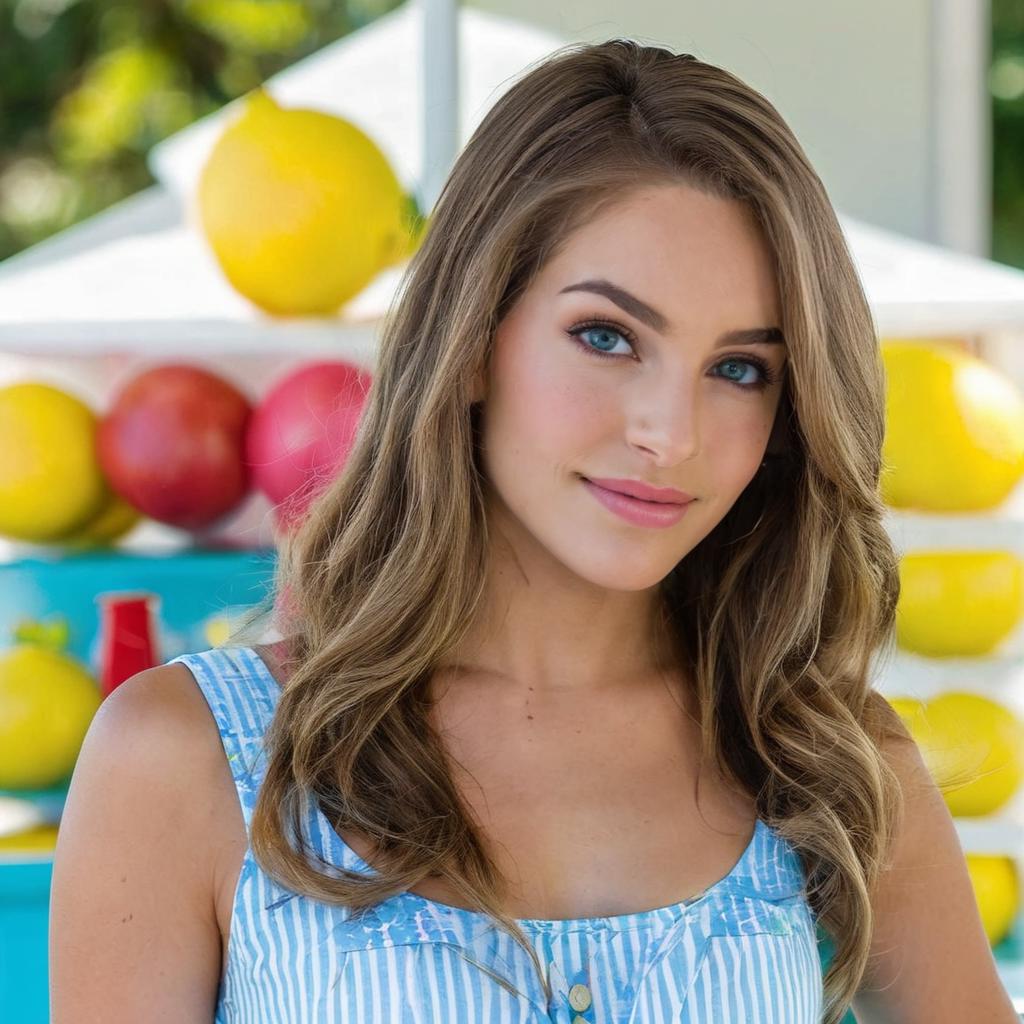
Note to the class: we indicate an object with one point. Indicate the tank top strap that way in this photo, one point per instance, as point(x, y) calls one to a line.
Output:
point(772, 869)
point(242, 695)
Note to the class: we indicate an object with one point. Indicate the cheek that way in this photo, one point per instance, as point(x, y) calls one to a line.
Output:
point(543, 406)
point(736, 443)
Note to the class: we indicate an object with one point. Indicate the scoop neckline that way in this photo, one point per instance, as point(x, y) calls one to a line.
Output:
point(668, 913)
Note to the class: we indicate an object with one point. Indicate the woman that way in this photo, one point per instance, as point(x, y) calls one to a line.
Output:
point(531, 749)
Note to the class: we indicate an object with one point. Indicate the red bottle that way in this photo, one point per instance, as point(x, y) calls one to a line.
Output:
point(127, 637)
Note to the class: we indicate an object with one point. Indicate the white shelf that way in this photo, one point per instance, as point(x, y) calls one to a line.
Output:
point(1001, 674)
point(1001, 527)
point(161, 293)
point(249, 527)
point(1001, 835)
point(158, 290)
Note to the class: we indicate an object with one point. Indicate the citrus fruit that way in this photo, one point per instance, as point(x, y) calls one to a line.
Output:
point(908, 708)
point(114, 519)
point(47, 701)
point(958, 603)
point(997, 890)
point(301, 208)
point(954, 435)
point(974, 749)
point(33, 840)
point(50, 478)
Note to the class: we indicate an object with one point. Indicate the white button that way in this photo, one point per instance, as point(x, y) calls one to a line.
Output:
point(580, 1020)
point(579, 997)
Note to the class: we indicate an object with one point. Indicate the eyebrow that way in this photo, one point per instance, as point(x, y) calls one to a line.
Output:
point(659, 322)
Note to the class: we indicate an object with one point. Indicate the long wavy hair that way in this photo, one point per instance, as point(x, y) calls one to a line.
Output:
point(778, 611)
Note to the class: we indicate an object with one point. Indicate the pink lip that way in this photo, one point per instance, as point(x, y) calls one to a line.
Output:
point(637, 510)
point(638, 489)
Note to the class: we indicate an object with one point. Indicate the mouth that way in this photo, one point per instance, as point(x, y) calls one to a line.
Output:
point(637, 511)
point(633, 497)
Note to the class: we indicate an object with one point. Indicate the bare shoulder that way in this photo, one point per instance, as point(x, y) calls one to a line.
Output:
point(133, 929)
point(162, 704)
point(930, 957)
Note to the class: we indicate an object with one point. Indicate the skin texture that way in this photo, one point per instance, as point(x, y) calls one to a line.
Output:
point(668, 410)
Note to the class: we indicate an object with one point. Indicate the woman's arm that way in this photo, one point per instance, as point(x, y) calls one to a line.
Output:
point(133, 932)
point(931, 962)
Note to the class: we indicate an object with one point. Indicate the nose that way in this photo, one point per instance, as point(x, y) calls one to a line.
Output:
point(666, 421)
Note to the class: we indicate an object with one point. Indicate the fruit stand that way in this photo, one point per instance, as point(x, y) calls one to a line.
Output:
point(170, 311)
point(132, 339)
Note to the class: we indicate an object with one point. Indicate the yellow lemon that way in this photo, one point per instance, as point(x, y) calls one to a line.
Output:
point(997, 890)
point(114, 519)
point(954, 435)
point(47, 701)
point(957, 343)
point(301, 208)
point(958, 603)
point(51, 482)
point(909, 709)
point(974, 750)
point(32, 840)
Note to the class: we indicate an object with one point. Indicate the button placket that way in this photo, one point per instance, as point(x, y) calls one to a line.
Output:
point(572, 999)
point(580, 998)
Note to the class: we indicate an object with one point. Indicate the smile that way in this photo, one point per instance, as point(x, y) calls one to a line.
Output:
point(635, 510)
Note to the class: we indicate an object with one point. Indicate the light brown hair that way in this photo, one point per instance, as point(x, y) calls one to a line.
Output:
point(778, 611)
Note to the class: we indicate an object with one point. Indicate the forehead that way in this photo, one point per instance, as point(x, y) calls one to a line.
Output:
point(693, 255)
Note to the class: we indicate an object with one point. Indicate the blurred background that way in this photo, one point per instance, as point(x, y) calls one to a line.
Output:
point(205, 210)
point(88, 87)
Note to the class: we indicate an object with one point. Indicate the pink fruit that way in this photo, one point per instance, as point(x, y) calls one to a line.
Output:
point(301, 433)
point(172, 445)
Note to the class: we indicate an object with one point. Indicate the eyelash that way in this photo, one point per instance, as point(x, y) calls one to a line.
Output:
point(768, 375)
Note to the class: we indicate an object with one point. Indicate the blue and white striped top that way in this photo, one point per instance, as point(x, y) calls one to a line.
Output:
point(742, 952)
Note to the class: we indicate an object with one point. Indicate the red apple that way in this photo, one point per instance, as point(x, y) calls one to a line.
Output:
point(172, 444)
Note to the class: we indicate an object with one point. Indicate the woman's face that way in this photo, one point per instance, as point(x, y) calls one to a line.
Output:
point(671, 402)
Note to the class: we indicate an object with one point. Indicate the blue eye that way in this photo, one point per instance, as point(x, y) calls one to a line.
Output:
point(601, 328)
point(609, 328)
point(767, 377)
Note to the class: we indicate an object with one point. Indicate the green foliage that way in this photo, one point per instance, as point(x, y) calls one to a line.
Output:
point(1006, 86)
point(87, 87)
point(269, 27)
